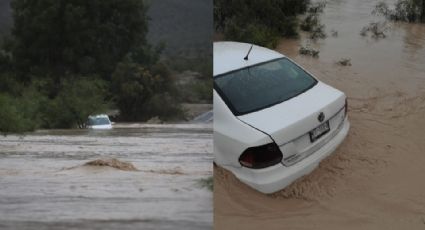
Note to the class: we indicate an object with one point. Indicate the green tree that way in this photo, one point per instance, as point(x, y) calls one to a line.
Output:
point(67, 59)
point(11, 119)
point(79, 98)
point(141, 93)
point(19, 113)
point(59, 37)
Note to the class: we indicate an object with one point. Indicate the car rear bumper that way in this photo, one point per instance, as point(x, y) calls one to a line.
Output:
point(101, 127)
point(277, 177)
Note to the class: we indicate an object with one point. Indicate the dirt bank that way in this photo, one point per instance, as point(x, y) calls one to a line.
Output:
point(375, 179)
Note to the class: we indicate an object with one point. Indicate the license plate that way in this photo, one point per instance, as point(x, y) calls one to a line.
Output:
point(319, 131)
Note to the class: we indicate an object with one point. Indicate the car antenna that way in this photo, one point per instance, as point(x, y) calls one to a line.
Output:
point(249, 51)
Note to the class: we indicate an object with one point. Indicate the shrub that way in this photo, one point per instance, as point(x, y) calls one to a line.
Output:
point(252, 33)
point(11, 120)
point(344, 62)
point(311, 22)
point(203, 90)
point(404, 10)
point(258, 21)
point(318, 32)
point(141, 93)
point(309, 52)
point(19, 114)
point(376, 29)
point(164, 106)
point(79, 97)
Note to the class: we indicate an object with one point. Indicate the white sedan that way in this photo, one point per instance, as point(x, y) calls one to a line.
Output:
point(100, 121)
point(273, 121)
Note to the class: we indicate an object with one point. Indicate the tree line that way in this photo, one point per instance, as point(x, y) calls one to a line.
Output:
point(262, 22)
point(67, 59)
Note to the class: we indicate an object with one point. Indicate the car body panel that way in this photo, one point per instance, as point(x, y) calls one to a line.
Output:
point(277, 177)
point(91, 122)
point(100, 126)
point(231, 56)
point(298, 115)
point(287, 124)
point(233, 134)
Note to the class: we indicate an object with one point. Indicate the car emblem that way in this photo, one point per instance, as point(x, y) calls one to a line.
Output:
point(321, 117)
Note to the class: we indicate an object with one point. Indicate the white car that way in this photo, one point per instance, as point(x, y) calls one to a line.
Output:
point(273, 121)
point(100, 121)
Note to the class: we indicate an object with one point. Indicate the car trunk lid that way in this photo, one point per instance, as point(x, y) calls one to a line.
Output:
point(289, 123)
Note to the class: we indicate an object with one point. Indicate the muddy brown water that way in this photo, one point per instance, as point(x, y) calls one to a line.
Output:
point(374, 180)
point(44, 183)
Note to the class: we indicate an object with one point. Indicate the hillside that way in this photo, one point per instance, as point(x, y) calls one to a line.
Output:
point(5, 16)
point(184, 25)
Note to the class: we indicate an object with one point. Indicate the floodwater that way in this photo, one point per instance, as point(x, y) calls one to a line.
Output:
point(398, 59)
point(374, 180)
point(44, 183)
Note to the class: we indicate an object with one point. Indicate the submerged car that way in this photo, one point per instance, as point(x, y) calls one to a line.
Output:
point(100, 121)
point(273, 121)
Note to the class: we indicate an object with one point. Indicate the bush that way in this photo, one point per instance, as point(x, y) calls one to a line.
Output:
point(258, 21)
point(142, 93)
point(344, 62)
point(203, 90)
point(376, 29)
point(19, 114)
point(79, 97)
point(311, 23)
point(309, 52)
point(164, 106)
point(11, 120)
point(318, 32)
point(9, 84)
point(404, 10)
point(201, 64)
point(316, 8)
point(252, 33)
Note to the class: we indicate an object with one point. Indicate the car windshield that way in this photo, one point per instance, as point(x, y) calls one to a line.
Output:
point(99, 121)
point(260, 86)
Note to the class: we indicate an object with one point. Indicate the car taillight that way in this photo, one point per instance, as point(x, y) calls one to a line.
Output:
point(261, 156)
point(346, 107)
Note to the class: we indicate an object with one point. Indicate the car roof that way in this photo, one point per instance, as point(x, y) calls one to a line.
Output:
point(229, 56)
point(99, 116)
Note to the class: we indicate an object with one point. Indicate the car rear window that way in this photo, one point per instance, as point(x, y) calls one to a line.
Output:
point(99, 121)
point(263, 85)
